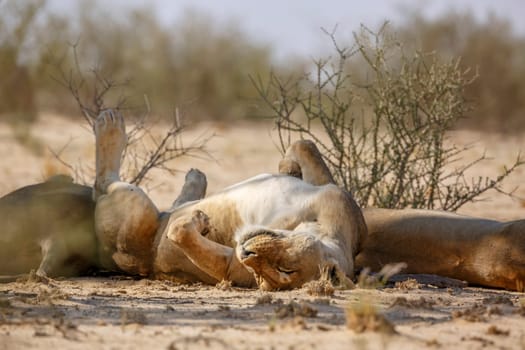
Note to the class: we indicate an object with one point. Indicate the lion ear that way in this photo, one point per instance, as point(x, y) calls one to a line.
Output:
point(331, 271)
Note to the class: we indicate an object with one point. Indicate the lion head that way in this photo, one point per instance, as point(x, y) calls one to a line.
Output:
point(281, 259)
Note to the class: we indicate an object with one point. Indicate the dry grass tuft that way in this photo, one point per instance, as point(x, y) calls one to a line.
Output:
point(477, 313)
point(330, 279)
point(224, 285)
point(320, 288)
point(364, 317)
point(408, 284)
point(368, 281)
point(294, 309)
point(267, 299)
point(421, 303)
point(493, 330)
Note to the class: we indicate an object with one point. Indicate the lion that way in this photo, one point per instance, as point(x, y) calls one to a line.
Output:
point(271, 231)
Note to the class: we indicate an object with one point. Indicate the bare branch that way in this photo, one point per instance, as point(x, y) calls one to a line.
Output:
point(92, 93)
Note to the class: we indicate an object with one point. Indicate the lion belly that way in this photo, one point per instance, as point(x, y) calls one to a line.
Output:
point(264, 199)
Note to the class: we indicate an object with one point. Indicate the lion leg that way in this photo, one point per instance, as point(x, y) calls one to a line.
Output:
point(303, 160)
point(343, 223)
point(51, 258)
point(126, 219)
point(110, 135)
point(218, 261)
point(194, 188)
point(499, 260)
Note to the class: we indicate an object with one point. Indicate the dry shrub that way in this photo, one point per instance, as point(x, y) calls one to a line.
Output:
point(493, 48)
point(383, 130)
point(96, 91)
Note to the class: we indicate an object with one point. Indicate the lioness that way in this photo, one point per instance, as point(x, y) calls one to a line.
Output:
point(274, 231)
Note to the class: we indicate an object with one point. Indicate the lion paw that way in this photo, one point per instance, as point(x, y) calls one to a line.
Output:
point(110, 129)
point(290, 167)
point(200, 222)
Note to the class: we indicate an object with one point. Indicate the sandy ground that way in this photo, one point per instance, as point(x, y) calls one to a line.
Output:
point(117, 312)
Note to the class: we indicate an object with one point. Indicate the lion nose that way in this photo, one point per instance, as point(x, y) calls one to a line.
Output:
point(246, 253)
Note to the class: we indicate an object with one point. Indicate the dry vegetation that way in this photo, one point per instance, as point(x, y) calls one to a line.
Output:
point(384, 136)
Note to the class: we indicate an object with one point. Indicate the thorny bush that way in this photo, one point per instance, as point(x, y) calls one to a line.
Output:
point(383, 131)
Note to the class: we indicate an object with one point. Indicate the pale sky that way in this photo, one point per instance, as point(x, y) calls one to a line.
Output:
point(293, 27)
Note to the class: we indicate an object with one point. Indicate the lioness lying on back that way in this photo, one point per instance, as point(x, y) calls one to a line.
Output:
point(274, 231)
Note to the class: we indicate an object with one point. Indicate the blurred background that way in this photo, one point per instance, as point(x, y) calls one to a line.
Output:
point(199, 55)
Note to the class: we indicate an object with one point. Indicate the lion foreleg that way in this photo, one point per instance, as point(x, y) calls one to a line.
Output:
point(218, 261)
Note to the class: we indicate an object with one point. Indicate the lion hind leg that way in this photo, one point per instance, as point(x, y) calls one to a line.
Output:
point(55, 260)
point(111, 139)
point(303, 159)
point(194, 188)
point(126, 222)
